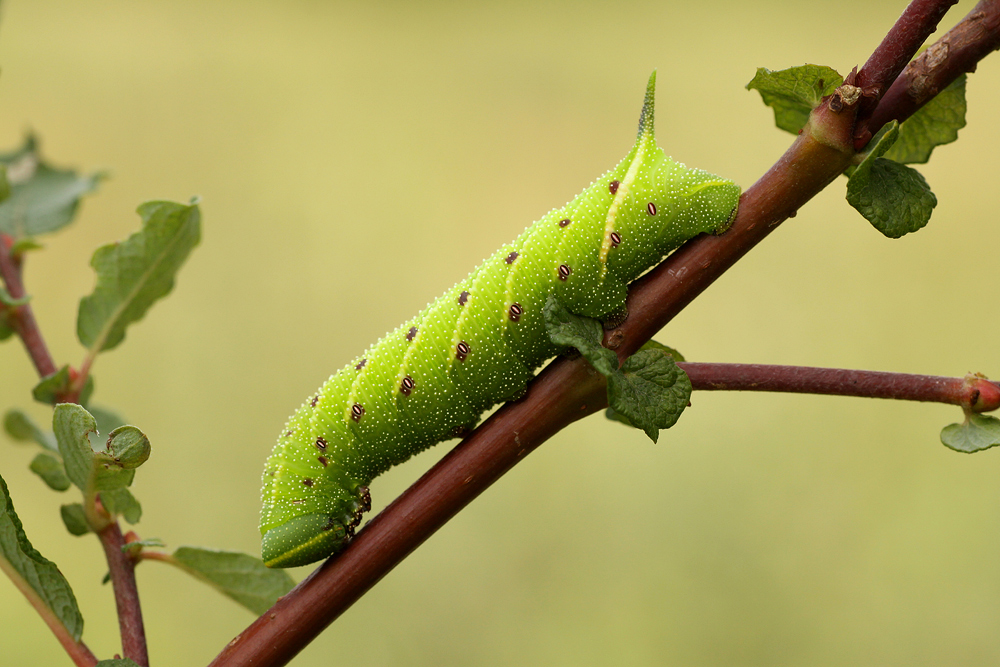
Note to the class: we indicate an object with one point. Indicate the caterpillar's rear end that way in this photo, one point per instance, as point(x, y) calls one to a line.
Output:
point(478, 344)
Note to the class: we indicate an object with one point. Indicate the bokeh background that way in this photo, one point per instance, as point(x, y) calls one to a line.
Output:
point(354, 160)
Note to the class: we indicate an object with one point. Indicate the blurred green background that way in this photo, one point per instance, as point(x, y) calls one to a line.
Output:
point(354, 160)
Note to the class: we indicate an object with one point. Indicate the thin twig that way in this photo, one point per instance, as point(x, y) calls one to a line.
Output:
point(126, 595)
point(972, 393)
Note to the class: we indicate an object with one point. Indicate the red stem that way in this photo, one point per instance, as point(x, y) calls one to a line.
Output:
point(21, 318)
point(126, 595)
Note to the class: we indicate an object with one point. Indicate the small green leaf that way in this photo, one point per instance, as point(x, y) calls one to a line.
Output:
point(42, 198)
point(51, 470)
point(121, 501)
point(977, 433)
point(19, 426)
point(794, 92)
point(128, 446)
point(117, 662)
point(75, 519)
point(654, 345)
point(583, 333)
point(133, 274)
point(7, 300)
point(894, 198)
point(651, 391)
point(35, 576)
point(23, 245)
point(107, 421)
point(239, 576)
point(88, 470)
point(53, 388)
point(148, 542)
point(934, 124)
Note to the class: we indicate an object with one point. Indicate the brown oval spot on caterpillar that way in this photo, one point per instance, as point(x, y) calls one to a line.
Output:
point(321, 443)
point(289, 434)
point(314, 401)
point(651, 208)
point(462, 350)
point(564, 222)
point(357, 410)
point(511, 257)
point(406, 386)
point(462, 298)
point(613, 186)
point(564, 272)
point(323, 461)
point(411, 334)
point(615, 239)
point(461, 431)
point(515, 312)
point(361, 364)
point(307, 482)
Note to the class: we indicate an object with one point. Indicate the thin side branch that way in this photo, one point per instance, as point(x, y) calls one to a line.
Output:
point(126, 595)
point(971, 393)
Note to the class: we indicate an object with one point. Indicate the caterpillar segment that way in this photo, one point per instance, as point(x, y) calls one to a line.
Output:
point(478, 344)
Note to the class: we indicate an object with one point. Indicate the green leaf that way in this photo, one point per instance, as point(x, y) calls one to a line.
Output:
point(654, 345)
point(121, 501)
point(51, 470)
point(894, 198)
point(19, 426)
point(934, 124)
point(239, 576)
point(977, 433)
point(651, 391)
point(128, 446)
point(6, 330)
point(793, 93)
point(75, 519)
point(35, 576)
point(42, 198)
point(117, 662)
point(583, 333)
point(24, 245)
point(88, 470)
point(133, 274)
point(53, 388)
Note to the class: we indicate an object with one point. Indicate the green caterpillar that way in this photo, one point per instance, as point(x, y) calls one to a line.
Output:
point(478, 344)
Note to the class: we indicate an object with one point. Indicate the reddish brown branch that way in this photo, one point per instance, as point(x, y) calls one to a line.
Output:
point(958, 51)
point(917, 22)
point(971, 393)
point(126, 595)
point(21, 318)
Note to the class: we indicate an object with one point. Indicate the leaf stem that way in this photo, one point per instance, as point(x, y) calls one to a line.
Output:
point(22, 318)
point(126, 595)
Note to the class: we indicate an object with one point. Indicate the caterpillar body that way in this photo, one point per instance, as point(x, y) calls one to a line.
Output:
point(478, 344)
